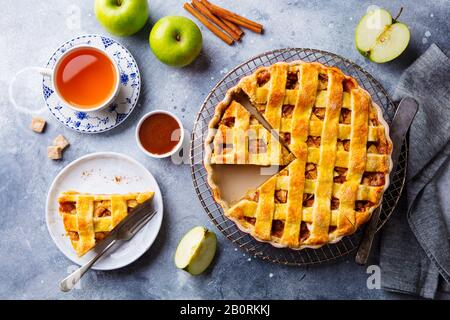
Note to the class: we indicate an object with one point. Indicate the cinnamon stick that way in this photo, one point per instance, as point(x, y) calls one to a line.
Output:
point(205, 11)
point(219, 33)
point(230, 24)
point(233, 17)
point(233, 26)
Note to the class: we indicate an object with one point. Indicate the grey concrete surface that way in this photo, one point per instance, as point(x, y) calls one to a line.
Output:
point(30, 263)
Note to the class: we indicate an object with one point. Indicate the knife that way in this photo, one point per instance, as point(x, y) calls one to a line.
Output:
point(403, 118)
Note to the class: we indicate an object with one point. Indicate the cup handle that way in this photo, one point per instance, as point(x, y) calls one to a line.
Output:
point(45, 71)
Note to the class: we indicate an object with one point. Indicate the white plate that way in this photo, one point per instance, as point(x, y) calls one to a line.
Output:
point(96, 173)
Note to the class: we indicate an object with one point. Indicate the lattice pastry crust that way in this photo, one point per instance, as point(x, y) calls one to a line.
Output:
point(88, 218)
point(339, 162)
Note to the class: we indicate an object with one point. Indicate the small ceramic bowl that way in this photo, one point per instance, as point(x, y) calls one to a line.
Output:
point(171, 152)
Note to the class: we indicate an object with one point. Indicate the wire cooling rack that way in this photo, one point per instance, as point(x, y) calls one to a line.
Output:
point(199, 176)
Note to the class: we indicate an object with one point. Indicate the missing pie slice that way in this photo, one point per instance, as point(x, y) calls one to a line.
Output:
point(88, 218)
point(341, 147)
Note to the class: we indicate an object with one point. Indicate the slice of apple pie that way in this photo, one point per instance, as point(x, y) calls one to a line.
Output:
point(88, 218)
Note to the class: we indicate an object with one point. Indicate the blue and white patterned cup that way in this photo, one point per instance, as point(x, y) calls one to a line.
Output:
point(52, 74)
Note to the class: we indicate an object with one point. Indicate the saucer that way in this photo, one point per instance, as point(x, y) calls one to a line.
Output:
point(118, 110)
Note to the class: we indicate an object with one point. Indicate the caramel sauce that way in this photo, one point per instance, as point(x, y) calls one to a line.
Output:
point(159, 133)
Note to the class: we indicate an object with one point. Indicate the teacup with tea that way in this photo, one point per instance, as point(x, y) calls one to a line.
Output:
point(86, 78)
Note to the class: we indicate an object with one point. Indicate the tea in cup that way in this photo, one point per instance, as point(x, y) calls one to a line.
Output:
point(85, 78)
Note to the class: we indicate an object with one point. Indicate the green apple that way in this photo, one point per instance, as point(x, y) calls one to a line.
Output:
point(121, 17)
point(196, 250)
point(176, 41)
point(381, 38)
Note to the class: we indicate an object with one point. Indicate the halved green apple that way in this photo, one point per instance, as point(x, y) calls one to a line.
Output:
point(381, 38)
point(196, 250)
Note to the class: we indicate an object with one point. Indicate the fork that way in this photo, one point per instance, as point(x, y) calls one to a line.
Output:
point(125, 232)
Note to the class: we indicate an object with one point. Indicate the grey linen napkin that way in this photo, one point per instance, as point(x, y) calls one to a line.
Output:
point(415, 243)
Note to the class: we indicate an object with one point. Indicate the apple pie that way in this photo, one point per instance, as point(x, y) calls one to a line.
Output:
point(338, 149)
point(88, 218)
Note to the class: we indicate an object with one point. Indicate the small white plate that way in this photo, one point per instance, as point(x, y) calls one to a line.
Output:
point(104, 172)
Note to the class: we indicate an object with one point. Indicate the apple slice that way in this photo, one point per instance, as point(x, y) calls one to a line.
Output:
point(391, 43)
point(196, 250)
point(370, 27)
point(381, 38)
